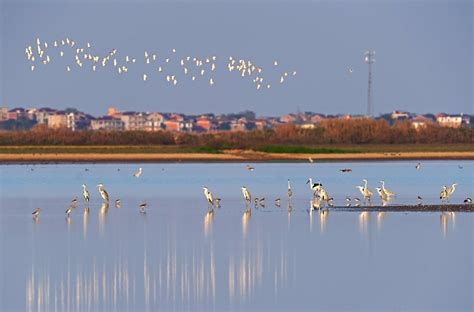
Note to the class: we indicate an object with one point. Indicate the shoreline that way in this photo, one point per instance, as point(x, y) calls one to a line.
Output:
point(227, 156)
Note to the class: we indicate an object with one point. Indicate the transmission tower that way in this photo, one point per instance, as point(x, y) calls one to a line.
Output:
point(369, 58)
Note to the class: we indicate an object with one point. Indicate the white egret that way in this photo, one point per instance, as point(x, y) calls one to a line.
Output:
point(85, 193)
point(246, 194)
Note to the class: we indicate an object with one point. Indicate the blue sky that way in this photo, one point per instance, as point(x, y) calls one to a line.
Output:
point(424, 54)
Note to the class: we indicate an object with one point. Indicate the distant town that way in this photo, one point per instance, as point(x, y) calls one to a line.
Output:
point(26, 118)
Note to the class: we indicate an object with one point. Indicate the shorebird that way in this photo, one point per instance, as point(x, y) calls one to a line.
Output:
point(246, 193)
point(36, 212)
point(348, 201)
point(289, 192)
point(278, 202)
point(68, 211)
point(117, 203)
point(103, 192)
point(418, 166)
point(345, 170)
point(217, 202)
point(468, 200)
point(209, 197)
point(143, 207)
point(315, 187)
point(311, 160)
point(389, 193)
point(250, 168)
point(85, 193)
point(138, 173)
point(74, 202)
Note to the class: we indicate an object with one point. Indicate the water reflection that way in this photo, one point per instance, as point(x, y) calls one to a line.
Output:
point(447, 219)
point(208, 218)
point(179, 276)
point(245, 220)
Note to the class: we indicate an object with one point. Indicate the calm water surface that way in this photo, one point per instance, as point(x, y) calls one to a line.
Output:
point(179, 257)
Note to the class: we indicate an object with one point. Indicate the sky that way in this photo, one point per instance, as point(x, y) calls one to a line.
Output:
point(424, 55)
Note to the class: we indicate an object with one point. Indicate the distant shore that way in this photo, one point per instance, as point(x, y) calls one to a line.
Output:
point(226, 156)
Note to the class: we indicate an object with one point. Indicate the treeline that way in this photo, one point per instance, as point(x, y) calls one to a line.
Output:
point(363, 131)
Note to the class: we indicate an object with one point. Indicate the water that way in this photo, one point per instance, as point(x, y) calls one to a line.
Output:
point(179, 257)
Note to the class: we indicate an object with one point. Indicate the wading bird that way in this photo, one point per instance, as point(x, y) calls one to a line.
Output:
point(289, 192)
point(117, 203)
point(365, 191)
point(386, 191)
point(103, 192)
point(142, 207)
point(246, 193)
point(74, 202)
point(418, 166)
point(68, 211)
point(85, 193)
point(209, 197)
point(315, 187)
point(383, 196)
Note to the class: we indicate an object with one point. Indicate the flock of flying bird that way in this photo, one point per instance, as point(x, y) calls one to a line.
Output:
point(191, 67)
point(320, 198)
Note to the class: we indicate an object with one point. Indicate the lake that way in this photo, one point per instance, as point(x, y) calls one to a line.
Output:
point(177, 256)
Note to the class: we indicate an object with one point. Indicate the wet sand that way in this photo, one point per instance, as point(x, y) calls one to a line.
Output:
point(227, 156)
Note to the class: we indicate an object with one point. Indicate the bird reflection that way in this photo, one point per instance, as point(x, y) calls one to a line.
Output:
point(445, 218)
point(380, 217)
point(245, 219)
point(323, 217)
point(208, 218)
point(363, 222)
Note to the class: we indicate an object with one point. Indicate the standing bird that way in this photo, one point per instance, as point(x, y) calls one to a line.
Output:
point(418, 166)
point(289, 192)
point(103, 192)
point(311, 160)
point(138, 173)
point(68, 211)
point(466, 201)
point(209, 197)
point(117, 203)
point(452, 189)
point(250, 168)
point(36, 213)
point(383, 196)
point(315, 187)
point(85, 193)
point(365, 191)
point(389, 193)
point(143, 207)
point(246, 193)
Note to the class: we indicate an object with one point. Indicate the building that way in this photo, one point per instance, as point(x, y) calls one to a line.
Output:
point(420, 122)
point(41, 115)
point(107, 123)
point(154, 122)
point(133, 120)
point(452, 121)
point(17, 113)
point(205, 123)
point(58, 120)
point(399, 115)
point(3, 113)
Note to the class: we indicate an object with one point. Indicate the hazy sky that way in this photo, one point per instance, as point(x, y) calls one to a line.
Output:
point(424, 54)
